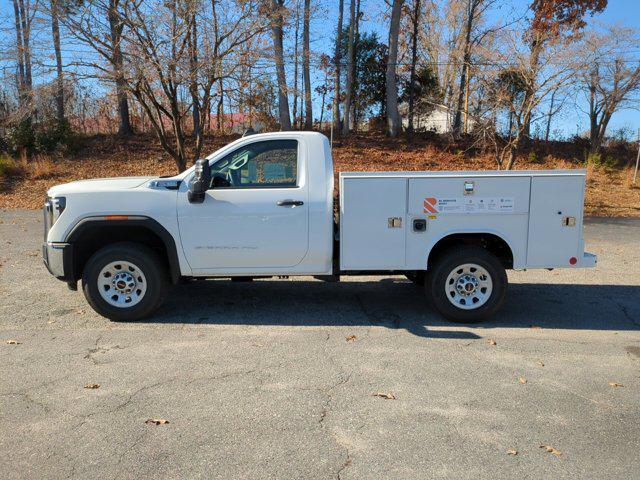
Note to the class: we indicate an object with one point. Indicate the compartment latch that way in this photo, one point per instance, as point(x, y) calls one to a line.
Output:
point(394, 222)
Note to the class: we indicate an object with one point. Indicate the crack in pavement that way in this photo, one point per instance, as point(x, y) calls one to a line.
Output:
point(343, 379)
point(97, 349)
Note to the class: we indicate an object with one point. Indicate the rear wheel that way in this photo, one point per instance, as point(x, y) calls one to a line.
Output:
point(467, 284)
point(125, 281)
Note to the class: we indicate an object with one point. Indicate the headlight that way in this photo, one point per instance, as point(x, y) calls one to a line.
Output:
point(53, 208)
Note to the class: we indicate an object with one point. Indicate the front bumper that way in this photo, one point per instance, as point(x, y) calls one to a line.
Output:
point(58, 258)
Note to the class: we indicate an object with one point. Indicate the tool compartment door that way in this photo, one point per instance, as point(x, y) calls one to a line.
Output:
point(372, 221)
point(555, 221)
point(497, 205)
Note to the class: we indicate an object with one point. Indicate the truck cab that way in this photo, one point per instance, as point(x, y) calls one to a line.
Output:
point(264, 206)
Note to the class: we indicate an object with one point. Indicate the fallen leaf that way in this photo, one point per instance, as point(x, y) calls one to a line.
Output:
point(386, 396)
point(13, 342)
point(351, 338)
point(156, 421)
point(552, 450)
point(491, 341)
point(522, 380)
point(257, 344)
point(512, 451)
point(35, 253)
point(616, 384)
point(541, 363)
point(92, 386)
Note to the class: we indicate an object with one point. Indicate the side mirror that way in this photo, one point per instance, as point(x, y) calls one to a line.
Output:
point(200, 182)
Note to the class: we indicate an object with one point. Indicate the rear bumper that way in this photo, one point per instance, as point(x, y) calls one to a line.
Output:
point(588, 260)
point(58, 258)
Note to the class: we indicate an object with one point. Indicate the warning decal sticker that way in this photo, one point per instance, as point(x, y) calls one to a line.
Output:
point(468, 205)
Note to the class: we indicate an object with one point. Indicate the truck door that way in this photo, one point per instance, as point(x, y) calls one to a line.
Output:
point(555, 221)
point(254, 216)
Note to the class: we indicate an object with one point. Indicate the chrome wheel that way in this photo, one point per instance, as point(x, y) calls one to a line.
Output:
point(468, 286)
point(122, 284)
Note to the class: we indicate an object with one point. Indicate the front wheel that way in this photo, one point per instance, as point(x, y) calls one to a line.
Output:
point(467, 284)
point(124, 281)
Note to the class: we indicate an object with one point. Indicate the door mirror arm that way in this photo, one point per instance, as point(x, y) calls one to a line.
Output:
point(200, 182)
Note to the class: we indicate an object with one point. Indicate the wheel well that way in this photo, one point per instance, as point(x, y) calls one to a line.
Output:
point(492, 243)
point(96, 235)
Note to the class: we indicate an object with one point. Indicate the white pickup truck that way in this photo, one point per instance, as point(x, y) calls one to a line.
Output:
point(264, 206)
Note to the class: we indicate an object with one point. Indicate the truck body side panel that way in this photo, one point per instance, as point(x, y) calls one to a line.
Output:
point(538, 214)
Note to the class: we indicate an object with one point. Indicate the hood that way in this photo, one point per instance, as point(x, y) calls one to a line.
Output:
point(97, 185)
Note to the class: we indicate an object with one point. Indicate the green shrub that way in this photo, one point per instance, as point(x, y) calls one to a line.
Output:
point(533, 158)
point(49, 137)
point(56, 137)
point(9, 167)
point(597, 160)
point(21, 137)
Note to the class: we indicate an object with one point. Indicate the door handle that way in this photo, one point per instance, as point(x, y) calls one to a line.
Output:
point(290, 203)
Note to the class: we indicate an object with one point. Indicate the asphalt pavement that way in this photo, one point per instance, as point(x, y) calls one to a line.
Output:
point(300, 379)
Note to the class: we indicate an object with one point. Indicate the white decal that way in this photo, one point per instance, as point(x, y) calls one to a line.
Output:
point(470, 204)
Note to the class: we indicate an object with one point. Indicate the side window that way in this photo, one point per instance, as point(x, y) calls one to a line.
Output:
point(270, 163)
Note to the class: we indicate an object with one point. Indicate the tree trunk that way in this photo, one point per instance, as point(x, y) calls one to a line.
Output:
point(471, 13)
point(346, 124)
point(55, 32)
point(26, 44)
point(324, 94)
point(337, 60)
point(115, 30)
point(193, 81)
point(414, 59)
point(277, 34)
point(220, 108)
point(308, 112)
point(534, 65)
point(548, 129)
point(394, 126)
point(296, 59)
point(22, 84)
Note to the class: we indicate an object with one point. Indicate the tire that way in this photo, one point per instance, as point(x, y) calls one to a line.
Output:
point(417, 277)
point(467, 284)
point(132, 278)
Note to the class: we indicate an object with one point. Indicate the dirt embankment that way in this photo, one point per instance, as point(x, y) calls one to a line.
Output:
point(609, 188)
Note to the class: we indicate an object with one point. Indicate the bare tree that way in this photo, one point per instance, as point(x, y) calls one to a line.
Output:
point(611, 77)
point(336, 60)
point(114, 54)
point(308, 112)
point(552, 21)
point(516, 91)
point(474, 9)
point(55, 35)
point(23, 15)
point(296, 62)
point(394, 126)
point(414, 59)
point(346, 124)
point(277, 23)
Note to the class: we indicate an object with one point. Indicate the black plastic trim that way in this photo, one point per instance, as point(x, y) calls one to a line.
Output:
point(140, 221)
